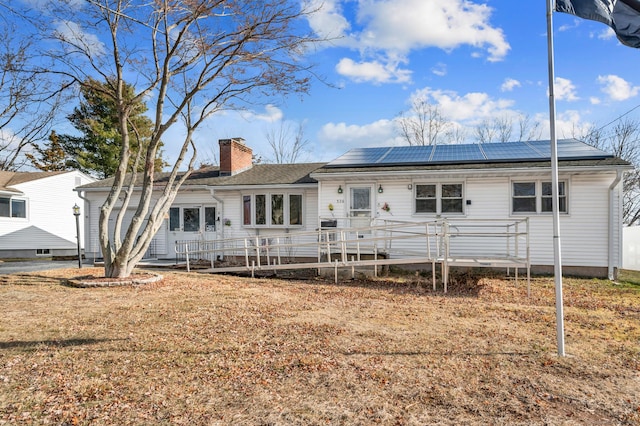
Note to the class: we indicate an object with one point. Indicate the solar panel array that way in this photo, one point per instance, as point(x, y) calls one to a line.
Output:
point(568, 149)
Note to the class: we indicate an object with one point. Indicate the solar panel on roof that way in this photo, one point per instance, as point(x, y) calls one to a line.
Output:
point(360, 156)
point(568, 149)
point(407, 154)
point(510, 151)
point(457, 153)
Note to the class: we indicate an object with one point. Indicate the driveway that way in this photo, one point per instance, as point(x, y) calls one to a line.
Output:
point(34, 265)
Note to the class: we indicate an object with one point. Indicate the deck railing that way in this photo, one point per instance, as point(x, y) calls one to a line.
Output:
point(337, 245)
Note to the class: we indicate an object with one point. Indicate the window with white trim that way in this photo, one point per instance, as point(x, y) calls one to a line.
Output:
point(436, 198)
point(536, 197)
point(13, 207)
point(278, 209)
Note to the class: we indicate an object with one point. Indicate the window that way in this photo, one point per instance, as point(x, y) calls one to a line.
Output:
point(547, 197)
point(277, 209)
point(191, 219)
point(261, 209)
point(451, 198)
point(272, 210)
point(174, 219)
point(295, 209)
point(13, 207)
point(43, 252)
point(535, 197)
point(524, 197)
point(426, 199)
point(209, 219)
point(439, 198)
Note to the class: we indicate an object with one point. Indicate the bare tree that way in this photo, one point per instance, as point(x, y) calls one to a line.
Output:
point(188, 59)
point(423, 124)
point(455, 134)
point(496, 129)
point(623, 140)
point(287, 144)
point(28, 103)
point(501, 129)
point(528, 130)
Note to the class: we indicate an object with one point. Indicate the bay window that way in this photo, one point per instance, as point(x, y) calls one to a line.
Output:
point(272, 210)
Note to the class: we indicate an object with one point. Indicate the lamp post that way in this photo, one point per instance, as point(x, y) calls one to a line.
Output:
point(76, 213)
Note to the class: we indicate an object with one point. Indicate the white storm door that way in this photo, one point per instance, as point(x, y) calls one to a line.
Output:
point(360, 206)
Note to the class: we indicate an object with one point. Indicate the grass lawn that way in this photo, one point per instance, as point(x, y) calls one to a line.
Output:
point(216, 350)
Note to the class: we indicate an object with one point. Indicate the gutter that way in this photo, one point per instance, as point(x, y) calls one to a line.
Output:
point(612, 228)
point(403, 174)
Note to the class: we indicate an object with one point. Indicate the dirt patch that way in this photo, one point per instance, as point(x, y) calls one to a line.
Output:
point(86, 281)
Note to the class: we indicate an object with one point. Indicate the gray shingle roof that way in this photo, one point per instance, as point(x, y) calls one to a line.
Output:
point(259, 174)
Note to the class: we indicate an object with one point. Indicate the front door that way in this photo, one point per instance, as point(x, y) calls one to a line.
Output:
point(360, 206)
point(191, 223)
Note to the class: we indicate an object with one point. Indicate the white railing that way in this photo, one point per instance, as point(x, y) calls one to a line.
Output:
point(478, 243)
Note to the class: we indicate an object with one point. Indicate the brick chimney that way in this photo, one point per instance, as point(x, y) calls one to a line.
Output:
point(235, 156)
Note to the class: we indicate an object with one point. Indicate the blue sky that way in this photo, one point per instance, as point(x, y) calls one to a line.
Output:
point(488, 60)
point(476, 60)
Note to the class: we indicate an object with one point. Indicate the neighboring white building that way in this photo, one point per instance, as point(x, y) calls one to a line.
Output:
point(36, 213)
point(504, 181)
point(631, 244)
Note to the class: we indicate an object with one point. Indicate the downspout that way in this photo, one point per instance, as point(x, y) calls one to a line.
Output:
point(612, 228)
point(219, 212)
point(86, 225)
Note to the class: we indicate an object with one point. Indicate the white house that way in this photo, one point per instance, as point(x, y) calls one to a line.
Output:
point(506, 181)
point(490, 181)
point(237, 199)
point(36, 213)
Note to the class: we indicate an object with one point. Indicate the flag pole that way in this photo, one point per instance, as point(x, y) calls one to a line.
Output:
point(557, 258)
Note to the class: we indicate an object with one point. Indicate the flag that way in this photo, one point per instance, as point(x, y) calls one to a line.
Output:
point(623, 16)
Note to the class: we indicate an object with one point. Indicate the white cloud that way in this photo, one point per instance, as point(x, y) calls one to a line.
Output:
point(439, 69)
point(568, 124)
point(375, 72)
point(607, 34)
point(470, 107)
point(509, 84)
point(385, 32)
point(327, 21)
point(337, 138)
point(565, 90)
point(566, 27)
point(404, 25)
point(271, 114)
point(74, 35)
point(617, 88)
point(594, 100)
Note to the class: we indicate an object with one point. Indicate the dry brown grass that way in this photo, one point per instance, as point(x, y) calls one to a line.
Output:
point(199, 349)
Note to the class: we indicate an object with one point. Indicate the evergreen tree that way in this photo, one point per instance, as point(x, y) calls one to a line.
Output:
point(97, 151)
point(50, 158)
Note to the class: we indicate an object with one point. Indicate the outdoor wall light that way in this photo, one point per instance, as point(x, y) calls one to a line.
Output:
point(76, 213)
point(380, 190)
point(409, 187)
point(339, 189)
